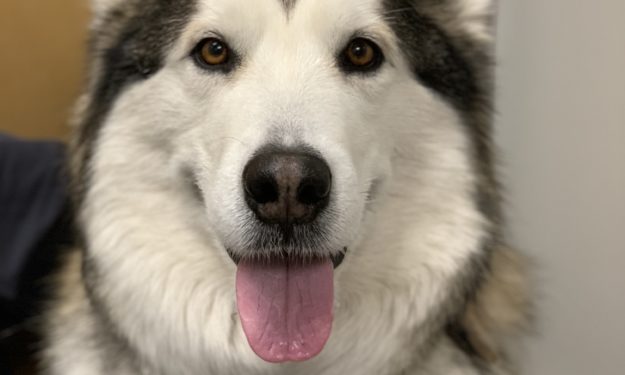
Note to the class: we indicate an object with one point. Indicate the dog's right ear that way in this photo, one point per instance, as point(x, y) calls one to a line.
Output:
point(101, 7)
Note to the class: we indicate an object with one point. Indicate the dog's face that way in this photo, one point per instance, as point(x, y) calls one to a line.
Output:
point(256, 130)
point(289, 130)
point(307, 79)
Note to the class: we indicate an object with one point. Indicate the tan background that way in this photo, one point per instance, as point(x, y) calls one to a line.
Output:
point(41, 64)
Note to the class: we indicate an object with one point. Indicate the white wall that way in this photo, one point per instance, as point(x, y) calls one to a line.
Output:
point(561, 130)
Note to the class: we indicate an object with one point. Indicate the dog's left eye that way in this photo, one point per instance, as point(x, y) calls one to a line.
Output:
point(361, 55)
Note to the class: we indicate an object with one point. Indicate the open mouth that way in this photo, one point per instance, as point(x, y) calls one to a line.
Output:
point(285, 304)
point(285, 294)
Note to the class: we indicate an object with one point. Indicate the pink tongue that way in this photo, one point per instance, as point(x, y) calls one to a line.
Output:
point(285, 307)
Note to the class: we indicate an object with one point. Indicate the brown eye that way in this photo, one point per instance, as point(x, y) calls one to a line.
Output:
point(213, 51)
point(362, 55)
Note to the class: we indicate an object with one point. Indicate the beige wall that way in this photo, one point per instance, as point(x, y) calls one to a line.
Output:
point(41, 48)
point(562, 133)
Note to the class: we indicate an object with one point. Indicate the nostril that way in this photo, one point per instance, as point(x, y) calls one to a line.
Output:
point(263, 190)
point(312, 191)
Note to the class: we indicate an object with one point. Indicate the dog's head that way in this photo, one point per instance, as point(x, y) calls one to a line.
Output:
point(281, 133)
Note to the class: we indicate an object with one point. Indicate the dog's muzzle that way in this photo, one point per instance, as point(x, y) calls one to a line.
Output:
point(285, 300)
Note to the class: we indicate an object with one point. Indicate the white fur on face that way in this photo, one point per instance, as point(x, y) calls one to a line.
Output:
point(146, 226)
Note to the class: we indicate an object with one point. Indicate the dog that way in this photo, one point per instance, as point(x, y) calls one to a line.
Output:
point(287, 187)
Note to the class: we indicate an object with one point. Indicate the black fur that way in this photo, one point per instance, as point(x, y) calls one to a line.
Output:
point(433, 58)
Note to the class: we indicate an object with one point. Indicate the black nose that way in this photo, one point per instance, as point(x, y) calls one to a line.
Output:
point(287, 187)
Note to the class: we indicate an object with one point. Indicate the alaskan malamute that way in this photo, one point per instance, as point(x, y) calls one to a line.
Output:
point(287, 187)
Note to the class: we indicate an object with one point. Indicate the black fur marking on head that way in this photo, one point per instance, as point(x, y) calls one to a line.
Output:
point(128, 45)
point(434, 59)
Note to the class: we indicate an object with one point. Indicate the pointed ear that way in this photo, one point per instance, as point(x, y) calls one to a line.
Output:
point(100, 7)
point(476, 16)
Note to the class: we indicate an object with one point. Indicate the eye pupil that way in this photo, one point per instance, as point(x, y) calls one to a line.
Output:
point(359, 49)
point(216, 48)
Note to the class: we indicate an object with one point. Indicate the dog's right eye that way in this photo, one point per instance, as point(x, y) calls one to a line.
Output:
point(212, 53)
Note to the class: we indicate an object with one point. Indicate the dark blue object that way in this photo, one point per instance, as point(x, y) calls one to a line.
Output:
point(32, 198)
point(34, 226)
